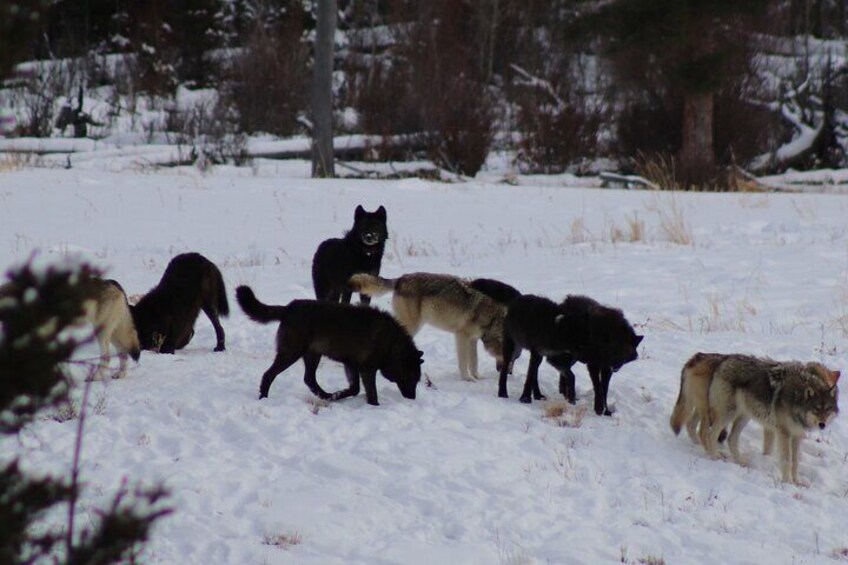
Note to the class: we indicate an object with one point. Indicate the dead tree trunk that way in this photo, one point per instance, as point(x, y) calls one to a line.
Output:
point(697, 153)
point(323, 164)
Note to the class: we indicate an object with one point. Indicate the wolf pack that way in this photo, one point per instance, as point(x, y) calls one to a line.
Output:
point(719, 393)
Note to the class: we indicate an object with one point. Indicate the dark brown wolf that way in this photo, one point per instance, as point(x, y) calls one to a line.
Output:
point(359, 251)
point(577, 330)
point(364, 340)
point(165, 316)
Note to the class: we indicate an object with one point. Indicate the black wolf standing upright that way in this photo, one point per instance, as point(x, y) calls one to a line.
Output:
point(359, 251)
point(165, 316)
point(365, 340)
point(578, 329)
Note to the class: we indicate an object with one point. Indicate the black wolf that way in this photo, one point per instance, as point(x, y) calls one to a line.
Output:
point(578, 329)
point(496, 290)
point(165, 316)
point(359, 251)
point(364, 340)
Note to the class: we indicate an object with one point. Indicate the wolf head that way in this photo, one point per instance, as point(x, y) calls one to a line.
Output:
point(369, 228)
point(820, 401)
point(404, 367)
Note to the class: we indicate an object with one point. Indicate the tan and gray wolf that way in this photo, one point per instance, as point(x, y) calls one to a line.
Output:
point(787, 398)
point(448, 303)
point(692, 406)
point(109, 312)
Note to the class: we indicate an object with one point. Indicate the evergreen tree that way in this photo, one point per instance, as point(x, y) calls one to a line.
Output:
point(35, 310)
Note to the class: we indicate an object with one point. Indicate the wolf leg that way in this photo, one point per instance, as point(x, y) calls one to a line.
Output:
point(795, 457)
point(768, 441)
point(784, 443)
point(473, 366)
point(122, 365)
point(103, 360)
point(530, 383)
point(216, 323)
point(563, 364)
point(281, 362)
point(310, 362)
point(509, 350)
point(600, 383)
point(364, 299)
point(369, 382)
point(462, 356)
point(353, 384)
point(739, 424)
point(345, 296)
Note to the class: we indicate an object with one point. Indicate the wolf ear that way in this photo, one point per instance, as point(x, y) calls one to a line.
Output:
point(637, 339)
point(834, 377)
point(358, 212)
point(381, 212)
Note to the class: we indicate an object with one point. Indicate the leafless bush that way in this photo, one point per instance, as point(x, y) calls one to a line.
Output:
point(207, 134)
point(270, 80)
point(38, 95)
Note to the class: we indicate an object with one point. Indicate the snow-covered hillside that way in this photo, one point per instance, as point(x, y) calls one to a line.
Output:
point(457, 475)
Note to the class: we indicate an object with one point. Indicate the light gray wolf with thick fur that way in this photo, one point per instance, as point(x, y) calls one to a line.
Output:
point(448, 303)
point(109, 313)
point(787, 398)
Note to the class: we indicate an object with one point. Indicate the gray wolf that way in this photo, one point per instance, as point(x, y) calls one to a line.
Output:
point(364, 339)
point(165, 316)
point(359, 251)
point(787, 398)
point(692, 406)
point(108, 312)
point(448, 303)
point(578, 329)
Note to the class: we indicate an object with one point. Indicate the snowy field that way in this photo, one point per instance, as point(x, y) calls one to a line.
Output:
point(458, 475)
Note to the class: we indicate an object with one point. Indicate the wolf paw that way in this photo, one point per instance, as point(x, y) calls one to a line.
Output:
point(525, 400)
point(220, 348)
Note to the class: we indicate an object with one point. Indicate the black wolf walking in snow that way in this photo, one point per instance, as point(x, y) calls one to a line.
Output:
point(364, 340)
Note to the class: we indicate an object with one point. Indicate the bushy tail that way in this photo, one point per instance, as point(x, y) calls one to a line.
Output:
point(223, 303)
point(257, 311)
point(371, 285)
point(678, 415)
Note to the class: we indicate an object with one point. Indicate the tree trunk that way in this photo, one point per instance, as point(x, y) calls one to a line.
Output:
point(697, 153)
point(323, 164)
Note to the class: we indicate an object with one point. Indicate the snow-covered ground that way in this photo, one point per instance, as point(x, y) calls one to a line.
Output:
point(458, 475)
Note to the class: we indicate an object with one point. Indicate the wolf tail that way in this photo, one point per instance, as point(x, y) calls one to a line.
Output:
point(257, 311)
point(371, 285)
point(678, 415)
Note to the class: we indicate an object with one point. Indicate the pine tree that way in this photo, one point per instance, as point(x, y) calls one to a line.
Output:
point(35, 310)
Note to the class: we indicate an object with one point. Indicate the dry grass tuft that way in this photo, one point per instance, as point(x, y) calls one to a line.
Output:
point(284, 540)
point(564, 415)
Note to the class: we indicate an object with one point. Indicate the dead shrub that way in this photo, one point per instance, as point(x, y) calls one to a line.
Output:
point(270, 79)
